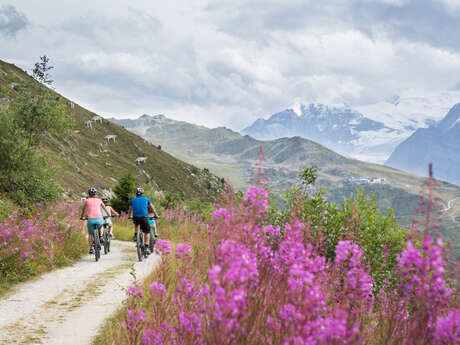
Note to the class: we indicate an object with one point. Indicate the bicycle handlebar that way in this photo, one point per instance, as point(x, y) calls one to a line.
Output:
point(86, 218)
point(147, 217)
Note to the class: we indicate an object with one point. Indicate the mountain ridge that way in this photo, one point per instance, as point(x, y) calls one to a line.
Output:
point(218, 141)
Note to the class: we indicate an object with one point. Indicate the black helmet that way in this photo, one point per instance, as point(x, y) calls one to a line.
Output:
point(139, 191)
point(92, 191)
point(105, 200)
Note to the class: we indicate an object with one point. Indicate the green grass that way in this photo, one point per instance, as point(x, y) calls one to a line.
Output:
point(234, 173)
point(123, 231)
point(110, 327)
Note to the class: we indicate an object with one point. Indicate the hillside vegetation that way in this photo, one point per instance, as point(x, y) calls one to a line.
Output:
point(87, 158)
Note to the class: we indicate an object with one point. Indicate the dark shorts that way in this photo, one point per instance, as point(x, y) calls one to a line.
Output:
point(143, 222)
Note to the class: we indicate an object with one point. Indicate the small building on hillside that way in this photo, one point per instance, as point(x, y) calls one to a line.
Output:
point(141, 160)
point(377, 180)
point(364, 180)
point(111, 137)
point(97, 119)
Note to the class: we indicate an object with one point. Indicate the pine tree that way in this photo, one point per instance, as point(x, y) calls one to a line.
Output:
point(124, 192)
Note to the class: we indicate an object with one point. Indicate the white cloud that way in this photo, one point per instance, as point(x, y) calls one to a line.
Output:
point(226, 62)
point(451, 4)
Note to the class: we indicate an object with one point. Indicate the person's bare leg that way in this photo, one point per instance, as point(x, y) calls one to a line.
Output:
point(147, 237)
point(111, 229)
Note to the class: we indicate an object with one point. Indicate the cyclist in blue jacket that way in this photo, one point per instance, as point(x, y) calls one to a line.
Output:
point(138, 211)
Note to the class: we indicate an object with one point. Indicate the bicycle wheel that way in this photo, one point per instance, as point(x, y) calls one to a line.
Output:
point(106, 242)
point(109, 239)
point(145, 250)
point(152, 241)
point(140, 245)
point(97, 246)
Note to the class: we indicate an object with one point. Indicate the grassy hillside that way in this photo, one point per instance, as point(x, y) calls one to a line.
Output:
point(86, 158)
point(233, 155)
point(222, 146)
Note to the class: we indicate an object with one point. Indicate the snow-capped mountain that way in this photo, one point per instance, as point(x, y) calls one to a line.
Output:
point(368, 132)
point(438, 144)
point(336, 128)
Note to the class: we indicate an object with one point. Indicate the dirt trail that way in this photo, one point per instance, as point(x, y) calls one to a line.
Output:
point(69, 305)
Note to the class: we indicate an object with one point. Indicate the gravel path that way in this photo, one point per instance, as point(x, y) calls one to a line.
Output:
point(68, 306)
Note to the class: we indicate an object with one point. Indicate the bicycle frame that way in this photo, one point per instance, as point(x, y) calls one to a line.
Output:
point(106, 237)
point(96, 244)
point(140, 247)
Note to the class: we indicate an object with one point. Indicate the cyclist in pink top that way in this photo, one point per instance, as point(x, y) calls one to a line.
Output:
point(93, 205)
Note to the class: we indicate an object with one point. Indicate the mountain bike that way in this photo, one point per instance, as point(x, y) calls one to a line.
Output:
point(106, 236)
point(153, 236)
point(140, 245)
point(96, 245)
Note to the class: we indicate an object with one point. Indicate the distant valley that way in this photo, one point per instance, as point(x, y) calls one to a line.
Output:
point(230, 154)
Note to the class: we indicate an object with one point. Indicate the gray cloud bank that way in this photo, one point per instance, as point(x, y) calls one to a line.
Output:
point(11, 21)
point(435, 22)
point(226, 62)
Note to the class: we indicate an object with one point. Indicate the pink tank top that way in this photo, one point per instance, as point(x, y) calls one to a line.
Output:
point(94, 207)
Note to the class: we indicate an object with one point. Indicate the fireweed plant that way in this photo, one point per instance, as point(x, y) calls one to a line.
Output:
point(239, 280)
point(36, 241)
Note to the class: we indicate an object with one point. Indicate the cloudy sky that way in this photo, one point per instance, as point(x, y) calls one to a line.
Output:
point(227, 62)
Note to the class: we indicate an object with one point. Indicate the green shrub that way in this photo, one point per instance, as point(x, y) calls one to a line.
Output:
point(358, 219)
point(199, 208)
point(25, 175)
